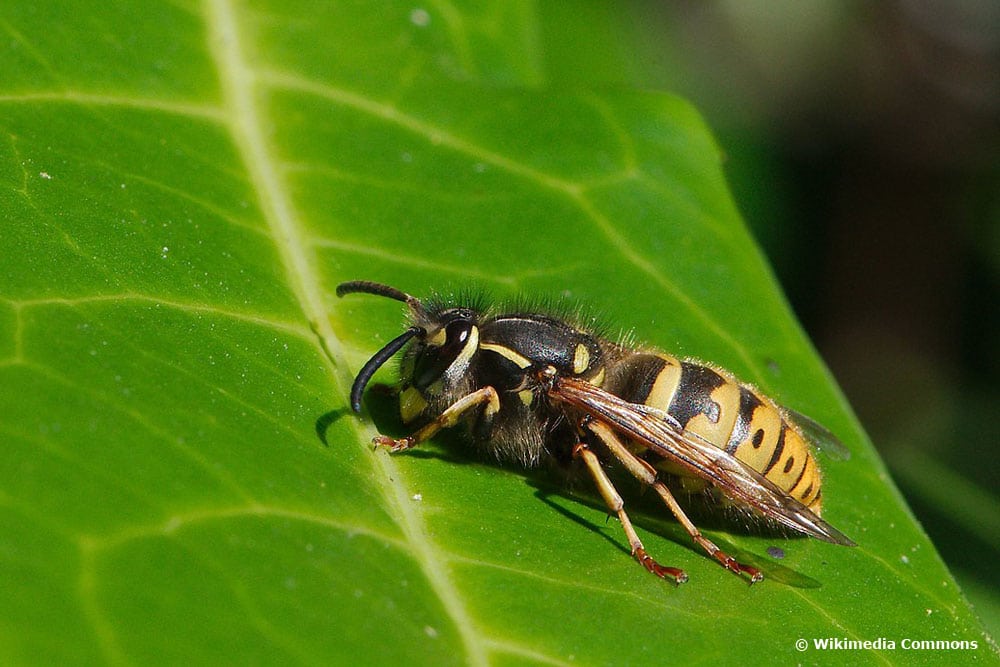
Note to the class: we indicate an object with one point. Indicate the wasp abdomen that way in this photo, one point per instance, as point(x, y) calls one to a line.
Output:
point(716, 407)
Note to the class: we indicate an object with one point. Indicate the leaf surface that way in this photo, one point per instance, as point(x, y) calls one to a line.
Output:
point(183, 187)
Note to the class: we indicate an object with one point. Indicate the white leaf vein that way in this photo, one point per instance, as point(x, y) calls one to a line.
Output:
point(246, 123)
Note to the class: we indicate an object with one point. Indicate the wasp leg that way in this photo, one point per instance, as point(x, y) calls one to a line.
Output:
point(486, 398)
point(617, 505)
point(646, 473)
point(715, 552)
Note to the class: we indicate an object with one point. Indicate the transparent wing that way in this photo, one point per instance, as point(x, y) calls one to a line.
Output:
point(661, 432)
point(819, 435)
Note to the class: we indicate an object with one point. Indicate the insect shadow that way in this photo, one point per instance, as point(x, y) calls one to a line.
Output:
point(381, 404)
point(550, 483)
point(326, 420)
point(646, 517)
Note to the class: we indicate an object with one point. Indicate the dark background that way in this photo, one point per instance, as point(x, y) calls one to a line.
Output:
point(861, 141)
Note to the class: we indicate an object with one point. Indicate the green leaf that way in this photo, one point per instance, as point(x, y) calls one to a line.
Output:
point(183, 186)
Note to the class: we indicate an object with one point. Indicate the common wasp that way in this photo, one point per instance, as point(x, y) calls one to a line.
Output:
point(533, 387)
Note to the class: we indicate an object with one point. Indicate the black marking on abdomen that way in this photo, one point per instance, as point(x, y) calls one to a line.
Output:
point(802, 472)
point(694, 393)
point(741, 429)
point(779, 448)
point(639, 383)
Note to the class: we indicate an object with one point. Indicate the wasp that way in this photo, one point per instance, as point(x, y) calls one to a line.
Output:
point(534, 387)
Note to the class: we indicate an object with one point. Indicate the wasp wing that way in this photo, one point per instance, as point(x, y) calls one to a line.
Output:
point(664, 434)
point(819, 435)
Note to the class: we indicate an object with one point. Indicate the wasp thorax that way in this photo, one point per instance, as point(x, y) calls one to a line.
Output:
point(536, 341)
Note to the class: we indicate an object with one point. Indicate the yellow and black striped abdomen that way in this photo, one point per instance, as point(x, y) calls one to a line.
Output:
point(714, 405)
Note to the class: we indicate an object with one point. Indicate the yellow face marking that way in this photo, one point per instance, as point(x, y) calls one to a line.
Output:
point(518, 359)
point(581, 359)
point(598, 379)
point(471, 345)
point(438, 339)
point(411, 404)
point(526, 396)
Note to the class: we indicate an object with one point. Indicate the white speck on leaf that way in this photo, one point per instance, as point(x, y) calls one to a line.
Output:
point(418, 496)
point(45, 175)
point(420, 18)
point(431, 632)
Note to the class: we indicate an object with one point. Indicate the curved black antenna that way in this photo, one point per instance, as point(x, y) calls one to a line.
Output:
point(378, 289)
point(382, 356)
point(393, 346)
point(369, 287)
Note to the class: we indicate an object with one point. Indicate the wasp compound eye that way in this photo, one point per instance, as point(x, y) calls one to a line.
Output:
point(434, 360)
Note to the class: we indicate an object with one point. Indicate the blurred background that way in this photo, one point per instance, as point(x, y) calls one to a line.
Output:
point(862, 142)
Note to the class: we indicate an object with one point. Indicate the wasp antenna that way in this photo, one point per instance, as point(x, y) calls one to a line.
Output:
point(378, 289)
point(373, 364)
point(369, 287)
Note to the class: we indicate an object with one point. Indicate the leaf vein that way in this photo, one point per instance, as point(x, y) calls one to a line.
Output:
point(572, 190)
point(246, 127)
point(184, 109)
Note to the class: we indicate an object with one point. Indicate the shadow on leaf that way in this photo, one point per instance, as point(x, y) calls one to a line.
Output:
point(552, 481)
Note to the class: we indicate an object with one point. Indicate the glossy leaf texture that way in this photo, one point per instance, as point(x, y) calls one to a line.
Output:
point(183, 185)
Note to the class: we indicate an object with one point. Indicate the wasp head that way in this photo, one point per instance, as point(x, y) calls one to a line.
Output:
point(444, 340)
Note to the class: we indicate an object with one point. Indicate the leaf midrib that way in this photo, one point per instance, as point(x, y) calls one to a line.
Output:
point(244, 121)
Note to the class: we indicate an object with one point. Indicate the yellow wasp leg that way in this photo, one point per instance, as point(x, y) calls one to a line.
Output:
point(617, 505)
point(486, 398)
point(646, 473)
point(641, 470)
point(715, 552)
